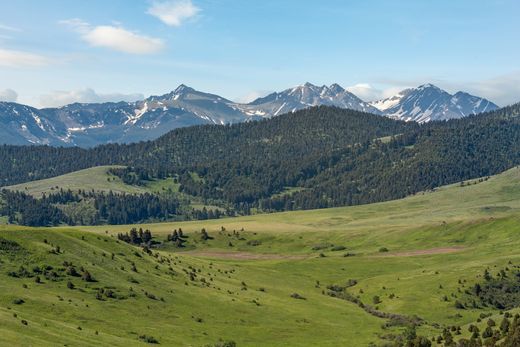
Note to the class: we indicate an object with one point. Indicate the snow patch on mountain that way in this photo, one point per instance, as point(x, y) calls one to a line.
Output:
point(430, 103)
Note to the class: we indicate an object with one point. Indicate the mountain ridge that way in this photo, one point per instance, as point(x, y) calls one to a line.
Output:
point(91, 124)
point(430, 103)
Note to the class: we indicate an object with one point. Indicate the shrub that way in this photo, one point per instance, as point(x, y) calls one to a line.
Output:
point(459, 305)
point(148, 339)
point(254, 243)
point(297, 296)
point(87, 277)
point(320, 246)
point(71, 271)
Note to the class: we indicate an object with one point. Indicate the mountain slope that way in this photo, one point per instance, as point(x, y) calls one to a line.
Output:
point(307, 95)
point(429, 103)
point(21, 124)
point(314, 158)
point(87, 125)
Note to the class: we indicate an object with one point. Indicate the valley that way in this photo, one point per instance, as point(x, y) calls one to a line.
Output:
point(229, 288)
point(169, 178)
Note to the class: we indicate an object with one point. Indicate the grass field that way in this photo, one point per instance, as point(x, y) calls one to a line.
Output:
point(100, 180)
point(240, 284)
point(96, 178)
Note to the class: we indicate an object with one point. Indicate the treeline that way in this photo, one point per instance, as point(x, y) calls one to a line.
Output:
point(335, 157)
point(93, 208)
point(25, 210)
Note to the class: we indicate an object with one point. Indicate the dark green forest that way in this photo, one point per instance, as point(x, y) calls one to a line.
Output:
point(314, 158)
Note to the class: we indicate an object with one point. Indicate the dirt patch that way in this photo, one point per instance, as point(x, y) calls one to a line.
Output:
point(440, 250)
point(243, 255)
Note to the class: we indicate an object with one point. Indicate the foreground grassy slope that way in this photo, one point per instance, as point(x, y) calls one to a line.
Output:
point(438, 244)
point(192, 313)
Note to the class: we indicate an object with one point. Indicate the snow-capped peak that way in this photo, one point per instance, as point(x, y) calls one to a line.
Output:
point(307, 95)
point(428, 102)
point(183, 89)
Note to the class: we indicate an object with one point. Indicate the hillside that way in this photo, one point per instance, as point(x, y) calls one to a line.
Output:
point(315, 158)
point(95, 178)
point(101, 195)
point(261, 281)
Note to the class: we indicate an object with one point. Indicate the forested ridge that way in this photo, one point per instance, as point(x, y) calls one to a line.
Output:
point(329, 156)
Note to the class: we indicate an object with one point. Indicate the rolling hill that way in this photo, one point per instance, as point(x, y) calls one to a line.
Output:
point(314, 158)
point(96, 178)
point(263, 280)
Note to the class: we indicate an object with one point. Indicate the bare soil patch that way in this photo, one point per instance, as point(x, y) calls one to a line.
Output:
point(439, 250)
point(243, 255)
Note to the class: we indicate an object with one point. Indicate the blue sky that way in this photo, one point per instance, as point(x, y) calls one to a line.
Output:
point(54, 52)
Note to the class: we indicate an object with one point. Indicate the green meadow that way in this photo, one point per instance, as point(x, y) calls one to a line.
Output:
point(262, 280)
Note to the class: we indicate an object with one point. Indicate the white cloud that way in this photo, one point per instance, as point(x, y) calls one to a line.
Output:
point(252, 96)
point(389, 92)
point(12, 58)
point(115, 37)
point(365, 91)
point(87, 95)
point(122, 40)
point(8, 95)
point(174, 12)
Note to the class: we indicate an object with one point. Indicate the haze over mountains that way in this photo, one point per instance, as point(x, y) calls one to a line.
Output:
point(88, 125)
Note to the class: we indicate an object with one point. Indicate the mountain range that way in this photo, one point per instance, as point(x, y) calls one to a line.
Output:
point(430, 103)
point(87, 125)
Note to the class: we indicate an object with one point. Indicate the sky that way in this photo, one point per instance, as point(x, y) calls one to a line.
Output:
point(55, 52)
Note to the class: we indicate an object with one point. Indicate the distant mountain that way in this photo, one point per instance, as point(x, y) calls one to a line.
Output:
point(21, 124)
point(306, 95)
point(429, 103)
point(87, 125)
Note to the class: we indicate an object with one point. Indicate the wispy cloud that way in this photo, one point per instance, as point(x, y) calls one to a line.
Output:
point(12, 58)
point(4, 27)
point(252, 96)
point(87, 95)
point(502, 90)
point(174, 12)
point(365, 91)
point(8, 95)
point(115, 37)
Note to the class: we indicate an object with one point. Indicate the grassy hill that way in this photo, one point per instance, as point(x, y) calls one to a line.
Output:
point(262, 280)
point(96, 178)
